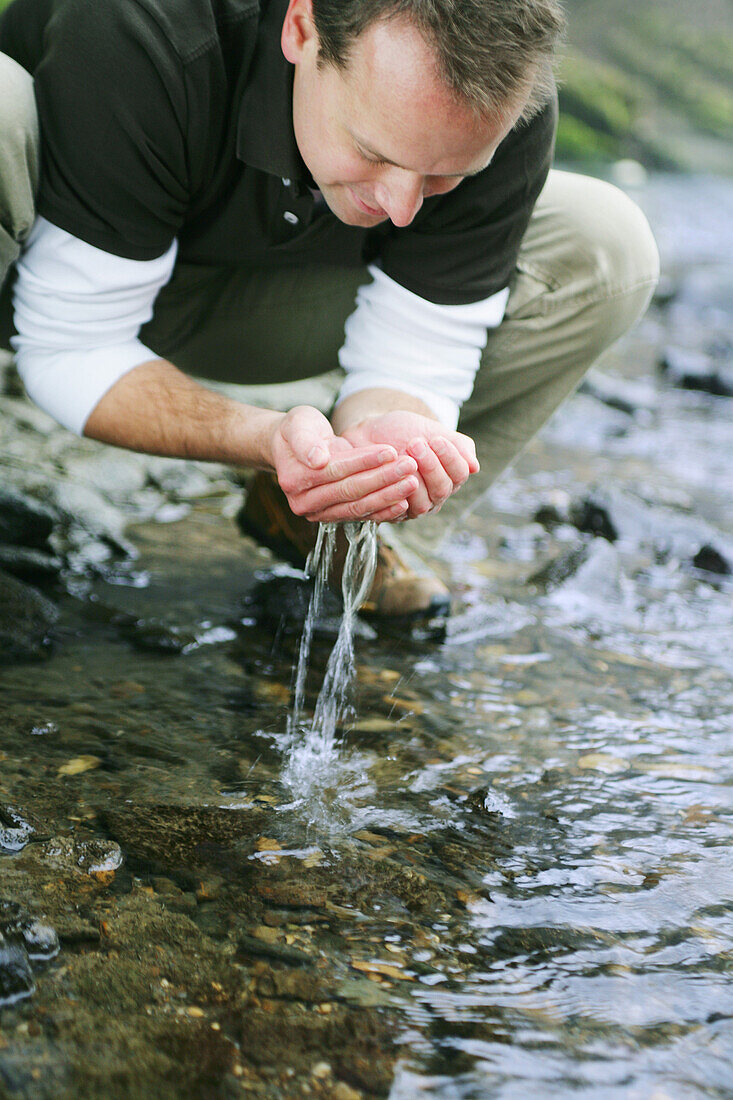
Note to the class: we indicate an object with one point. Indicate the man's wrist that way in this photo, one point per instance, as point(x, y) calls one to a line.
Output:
point(370, 403)
point(257, 429)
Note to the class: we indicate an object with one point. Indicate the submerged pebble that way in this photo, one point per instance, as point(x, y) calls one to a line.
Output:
point(15, 831)
point(39, 940)
point(16, 976)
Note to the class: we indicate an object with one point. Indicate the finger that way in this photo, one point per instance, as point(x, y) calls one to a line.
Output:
point(355, 487)
point(356, 461)
point(467, 449)
point(367, 506)
point(419, 503)
point(438, 484)
point(394, 514)
point(451, 460)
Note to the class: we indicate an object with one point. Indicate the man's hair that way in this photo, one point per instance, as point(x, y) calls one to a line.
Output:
point(489, 53)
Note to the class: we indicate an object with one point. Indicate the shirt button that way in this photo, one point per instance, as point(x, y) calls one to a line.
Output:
point(286, 182)
point(291, 217)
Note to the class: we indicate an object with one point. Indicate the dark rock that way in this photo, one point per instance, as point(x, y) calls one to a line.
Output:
point(151, 636)
point(480, 801)
point(549, 516)
point(695, 370)
point(671, 532)
point(560, 569)
point(359, 1043)
point(16, 976)
point(26, 618)
point(591, 517)
point(169, 837)
point(23, 521)
point(712, 561)
point(625, 395)
point(293, 895)
point(31, 565)
point(282, 601)
point(251, 945)
point(296, 985)
point(15, 831)
point(666, 291)
point(39, 940)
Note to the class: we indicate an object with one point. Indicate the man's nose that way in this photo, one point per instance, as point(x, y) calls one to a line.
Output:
point(400, 195)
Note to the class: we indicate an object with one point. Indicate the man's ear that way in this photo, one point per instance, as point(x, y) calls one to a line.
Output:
point(299, 32)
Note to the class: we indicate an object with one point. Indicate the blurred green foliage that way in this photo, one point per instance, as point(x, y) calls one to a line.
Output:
point(650, 80)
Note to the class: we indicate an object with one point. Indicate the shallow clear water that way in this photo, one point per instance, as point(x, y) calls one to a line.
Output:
point(522, 874)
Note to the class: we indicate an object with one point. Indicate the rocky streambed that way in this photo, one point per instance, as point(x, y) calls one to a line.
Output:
point(519, 877)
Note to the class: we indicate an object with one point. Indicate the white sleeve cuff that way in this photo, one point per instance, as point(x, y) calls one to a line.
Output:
point(78, 311)
point(397, 340)
point(68, 385)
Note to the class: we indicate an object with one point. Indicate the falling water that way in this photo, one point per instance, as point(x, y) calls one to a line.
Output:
point(313, 745)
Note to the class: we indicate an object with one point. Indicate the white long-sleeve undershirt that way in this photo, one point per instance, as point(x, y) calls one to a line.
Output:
point(78, 312)
point(397, 340)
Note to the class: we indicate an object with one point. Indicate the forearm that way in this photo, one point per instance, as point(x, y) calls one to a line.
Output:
point(157, 409)
point(375, 402)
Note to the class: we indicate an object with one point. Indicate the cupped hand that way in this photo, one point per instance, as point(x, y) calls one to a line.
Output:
point(445, 459)
point(328, 478)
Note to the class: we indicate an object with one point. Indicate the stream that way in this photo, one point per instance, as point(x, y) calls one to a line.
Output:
point(516, 877)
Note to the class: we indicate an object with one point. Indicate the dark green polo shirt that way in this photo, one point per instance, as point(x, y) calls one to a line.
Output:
point(173, 118)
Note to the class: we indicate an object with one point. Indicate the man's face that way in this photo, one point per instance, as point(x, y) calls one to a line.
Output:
point(383, 134)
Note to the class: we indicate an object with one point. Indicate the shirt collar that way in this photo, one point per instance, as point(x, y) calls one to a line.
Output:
point(265, 135)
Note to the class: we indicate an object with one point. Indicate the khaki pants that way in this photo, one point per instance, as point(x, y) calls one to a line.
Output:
point(586, 270)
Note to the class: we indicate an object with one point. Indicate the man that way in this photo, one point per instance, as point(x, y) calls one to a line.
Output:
point(222, 180)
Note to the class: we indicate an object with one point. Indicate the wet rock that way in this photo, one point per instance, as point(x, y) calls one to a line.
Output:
point(666, 291)
point(597, 591)
point(16, 976)
point(593, 518)
point(260, 948)
point(550, 516)
point(557, 571)
point(630, 396)
point(90, 518)
point(712, 561)
point(35, 566)
point(696, 370)
point(153, 636)
point(23, 520)
point(26, 619)
point(170, 837)
point(178, 479)
point(623, 516)
point(39, 940)
point(359, 1043)
point(295, 985)
point(293, 895)
point(396, 890)
point(483, 801)
point(115, 474)
point(91, 857)
point(15, 831)
point(282, 601)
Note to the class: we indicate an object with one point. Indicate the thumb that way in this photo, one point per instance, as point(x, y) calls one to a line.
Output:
point(309, 433)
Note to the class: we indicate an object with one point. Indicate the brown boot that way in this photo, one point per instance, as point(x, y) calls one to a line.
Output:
point(399, 590)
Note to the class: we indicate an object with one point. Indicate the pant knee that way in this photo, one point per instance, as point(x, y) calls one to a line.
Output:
point(610, 236)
